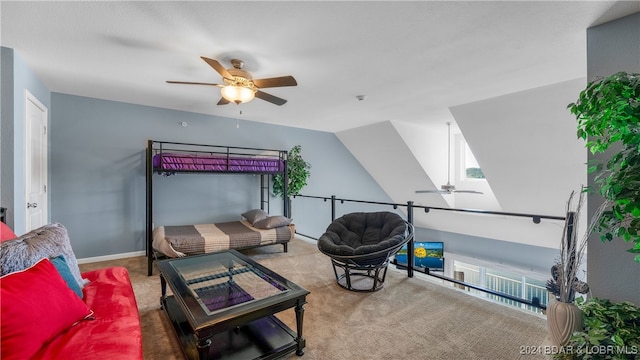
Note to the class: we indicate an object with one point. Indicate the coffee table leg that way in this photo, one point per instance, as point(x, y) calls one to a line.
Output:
point(203, 348)
point(299, 319)
point(163, 288)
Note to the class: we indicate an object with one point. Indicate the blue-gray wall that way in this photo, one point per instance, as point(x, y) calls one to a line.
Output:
point(97, 172)
point(6, 130)
point(17, 78)
point(612, 47)
point(510, 254)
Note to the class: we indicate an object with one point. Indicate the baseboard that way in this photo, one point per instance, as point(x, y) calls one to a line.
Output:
point(306, 238)
point(111, 257)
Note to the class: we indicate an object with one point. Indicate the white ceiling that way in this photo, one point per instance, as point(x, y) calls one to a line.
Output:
point(413, 60)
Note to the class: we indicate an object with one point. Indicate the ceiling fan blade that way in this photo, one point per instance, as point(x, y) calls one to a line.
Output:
point(217, 67)
point(468, 191)
point(276, 82)
point(223, 101)
point(448, 192)
point(270, 98)
point(192, 83)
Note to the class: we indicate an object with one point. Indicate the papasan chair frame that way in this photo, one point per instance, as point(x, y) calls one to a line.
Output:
point(350, 270)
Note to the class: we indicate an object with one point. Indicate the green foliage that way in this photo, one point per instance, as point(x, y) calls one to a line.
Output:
point(298, 171)
point(474, 173)
point(611, 331)
point(608, 114)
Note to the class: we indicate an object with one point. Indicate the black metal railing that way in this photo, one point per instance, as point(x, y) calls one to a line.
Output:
point(410, 206)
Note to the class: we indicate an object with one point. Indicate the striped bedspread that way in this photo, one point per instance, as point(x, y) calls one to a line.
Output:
point(178, 241)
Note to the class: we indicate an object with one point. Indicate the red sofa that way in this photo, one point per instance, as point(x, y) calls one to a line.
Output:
point(112, 331)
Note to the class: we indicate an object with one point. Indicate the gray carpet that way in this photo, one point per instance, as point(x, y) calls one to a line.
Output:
point(409, 318)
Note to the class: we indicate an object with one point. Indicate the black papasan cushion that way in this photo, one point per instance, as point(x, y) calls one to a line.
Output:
point(363, 233)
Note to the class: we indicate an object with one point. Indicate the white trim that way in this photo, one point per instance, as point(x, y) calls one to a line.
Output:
point(307, 239)
point(30, 98)
point(111, 257)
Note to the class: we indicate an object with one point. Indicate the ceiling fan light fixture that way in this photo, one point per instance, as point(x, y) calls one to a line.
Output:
point(239, 86)
point(237, 94)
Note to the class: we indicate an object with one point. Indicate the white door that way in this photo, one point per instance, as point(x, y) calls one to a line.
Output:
point(35, 163)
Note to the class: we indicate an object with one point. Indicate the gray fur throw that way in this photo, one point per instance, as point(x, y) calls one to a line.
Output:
point(46, 242)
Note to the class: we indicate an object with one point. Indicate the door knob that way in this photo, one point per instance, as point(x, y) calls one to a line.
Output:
point(32, 205)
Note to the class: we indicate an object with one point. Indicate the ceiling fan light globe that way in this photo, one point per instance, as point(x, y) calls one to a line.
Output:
point(237, 94)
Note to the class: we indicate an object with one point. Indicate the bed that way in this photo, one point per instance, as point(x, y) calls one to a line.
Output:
point(172, 158)
point(178, 241)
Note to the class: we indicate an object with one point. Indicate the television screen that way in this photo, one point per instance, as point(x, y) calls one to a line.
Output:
point(426, 255)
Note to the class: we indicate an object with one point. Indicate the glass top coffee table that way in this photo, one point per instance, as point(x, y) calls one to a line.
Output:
point(223, 307)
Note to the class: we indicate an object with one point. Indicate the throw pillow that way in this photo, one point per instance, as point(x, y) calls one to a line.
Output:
point(255, 215)
point(45, 242)
point(36, 306)
point(65, 272)
point(5, 232)
point(272, 222)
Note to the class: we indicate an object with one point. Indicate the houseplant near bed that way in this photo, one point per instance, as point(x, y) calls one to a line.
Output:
point(298, 173)
point(608, 115)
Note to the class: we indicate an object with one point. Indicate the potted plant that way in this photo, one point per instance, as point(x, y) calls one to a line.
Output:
point(298, 173)
point(608, 114)
point(563, 315)
point(611, 331)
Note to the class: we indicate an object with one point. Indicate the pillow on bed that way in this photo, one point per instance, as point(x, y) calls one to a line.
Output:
point(255, 215)
point(272, 222)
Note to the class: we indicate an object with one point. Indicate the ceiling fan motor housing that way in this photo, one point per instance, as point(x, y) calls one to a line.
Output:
point(240, 73)
point(448, 187)
point(241, 78)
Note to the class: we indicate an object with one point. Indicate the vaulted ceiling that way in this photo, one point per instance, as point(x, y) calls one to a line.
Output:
point(412, 60)
point(504, 69)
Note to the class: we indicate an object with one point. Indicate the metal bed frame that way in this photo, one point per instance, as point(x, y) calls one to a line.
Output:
point(157, 147)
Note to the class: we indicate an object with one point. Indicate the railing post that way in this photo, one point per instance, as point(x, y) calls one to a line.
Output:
point(285, 188)
point(410, 243)
point(333, 207)
point(149, 204)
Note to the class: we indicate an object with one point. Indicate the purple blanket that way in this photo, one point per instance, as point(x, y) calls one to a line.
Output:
point(205, 162)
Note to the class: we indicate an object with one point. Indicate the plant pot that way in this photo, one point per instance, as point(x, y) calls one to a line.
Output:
point(562, 320)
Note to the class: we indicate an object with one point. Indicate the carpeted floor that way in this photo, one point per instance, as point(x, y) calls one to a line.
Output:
point(409, 318)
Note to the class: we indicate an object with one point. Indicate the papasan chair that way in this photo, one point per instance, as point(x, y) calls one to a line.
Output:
point(360, 245)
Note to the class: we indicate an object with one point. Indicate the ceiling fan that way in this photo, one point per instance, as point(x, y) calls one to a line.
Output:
point(448, 188)
point(239, 86)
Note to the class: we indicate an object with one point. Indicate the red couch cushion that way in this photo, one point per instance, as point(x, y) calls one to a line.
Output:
point(36, 306)
point(5, 232)
point(114, 334)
